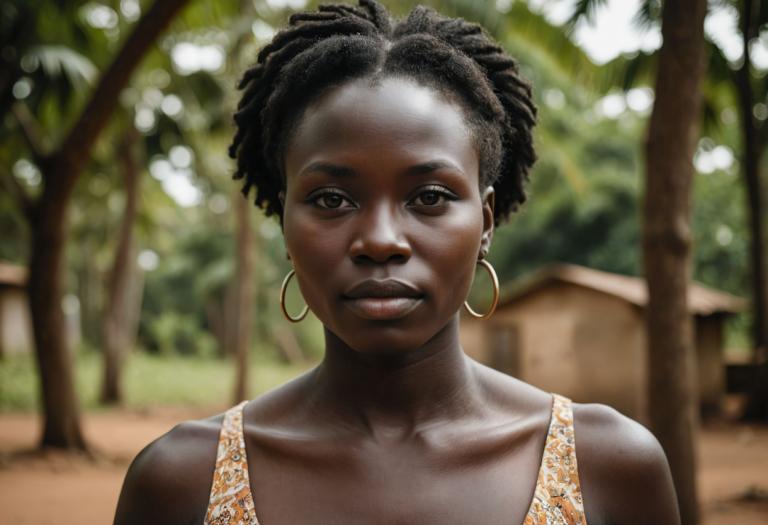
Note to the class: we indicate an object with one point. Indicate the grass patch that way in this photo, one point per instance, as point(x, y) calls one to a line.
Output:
point(148, 380)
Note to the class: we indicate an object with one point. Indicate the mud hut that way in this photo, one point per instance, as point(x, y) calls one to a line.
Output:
point(580, 332)
point(15, 324)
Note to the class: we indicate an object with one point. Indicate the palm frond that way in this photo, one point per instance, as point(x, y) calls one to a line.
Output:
point(567, 165)
point(628, 71)
point(58, 62)
point(718, 68)
point(530, 31)
point(584, 9)
point(648, 15)
point(484, 12)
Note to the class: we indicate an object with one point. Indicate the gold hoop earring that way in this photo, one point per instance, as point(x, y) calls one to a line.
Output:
point(485, 264)
point(283, 289)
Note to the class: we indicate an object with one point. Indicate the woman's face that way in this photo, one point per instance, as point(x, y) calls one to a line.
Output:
point(384, 219)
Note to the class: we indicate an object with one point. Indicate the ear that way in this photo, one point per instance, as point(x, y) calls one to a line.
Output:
point(489, 199)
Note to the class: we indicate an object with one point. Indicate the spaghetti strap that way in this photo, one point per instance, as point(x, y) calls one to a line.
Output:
point(557, 499)
point(231, 502)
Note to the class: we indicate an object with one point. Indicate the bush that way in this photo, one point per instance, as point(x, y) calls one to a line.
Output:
point(176, 333)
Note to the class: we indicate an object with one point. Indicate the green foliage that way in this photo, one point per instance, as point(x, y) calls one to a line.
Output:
point(584, 191)
point(174, 333)
point(173, 319)
point(720, 232)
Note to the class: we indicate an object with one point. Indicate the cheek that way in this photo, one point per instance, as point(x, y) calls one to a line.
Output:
point(315, 251)
point(451, 251)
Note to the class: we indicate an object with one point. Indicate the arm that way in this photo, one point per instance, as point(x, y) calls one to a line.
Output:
point(169, 481)
point(625, 477)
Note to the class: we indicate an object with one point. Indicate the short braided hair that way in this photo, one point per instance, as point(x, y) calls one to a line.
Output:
point(339, 43)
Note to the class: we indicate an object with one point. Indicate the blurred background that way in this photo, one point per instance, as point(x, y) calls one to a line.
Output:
point(138, 288)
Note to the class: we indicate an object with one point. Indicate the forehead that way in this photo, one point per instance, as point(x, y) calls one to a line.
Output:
point(392, 116)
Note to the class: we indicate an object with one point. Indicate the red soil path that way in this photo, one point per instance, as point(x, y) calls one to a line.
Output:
point(53, 488)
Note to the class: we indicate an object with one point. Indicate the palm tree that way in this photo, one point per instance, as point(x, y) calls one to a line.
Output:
point(671, 140)
point(728, 84)
point(118, 331)
point(47, 214)
point(750, 90)
point(670, 144)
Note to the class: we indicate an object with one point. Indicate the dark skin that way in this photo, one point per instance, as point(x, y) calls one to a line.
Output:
point(396, 425)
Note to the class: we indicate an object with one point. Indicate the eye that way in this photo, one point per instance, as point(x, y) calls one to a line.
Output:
point(331, 200)
point(433, 196)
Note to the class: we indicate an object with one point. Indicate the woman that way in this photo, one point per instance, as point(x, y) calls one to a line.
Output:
point(389, 151)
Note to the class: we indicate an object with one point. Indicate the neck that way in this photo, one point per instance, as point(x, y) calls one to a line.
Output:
point(407, 391)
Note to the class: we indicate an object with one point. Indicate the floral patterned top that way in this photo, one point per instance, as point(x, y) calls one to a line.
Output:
point(556, 500)
point(231, 502)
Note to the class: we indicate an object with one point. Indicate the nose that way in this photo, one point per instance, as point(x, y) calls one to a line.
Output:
point(379, 238)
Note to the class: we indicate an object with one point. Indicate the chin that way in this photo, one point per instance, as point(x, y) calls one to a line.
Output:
point(387, 338)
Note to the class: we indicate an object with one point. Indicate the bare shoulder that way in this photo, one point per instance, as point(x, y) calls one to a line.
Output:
point(624, 474)
point(169, 480)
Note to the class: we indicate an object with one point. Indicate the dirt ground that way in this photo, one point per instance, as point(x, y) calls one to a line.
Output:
point(51, 488)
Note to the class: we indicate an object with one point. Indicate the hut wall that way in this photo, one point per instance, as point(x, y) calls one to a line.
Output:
point(711, 369)
point(15, 324)
point(472, 337)
point(610, 342)
point(567, 339)
point(587, 345)
point(540, 328)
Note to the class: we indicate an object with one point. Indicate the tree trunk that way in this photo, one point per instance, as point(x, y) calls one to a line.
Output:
point(214, 315)
point(60, 171)
point(90, 292)
point(117, 315)
point(245, 296)
point(288, 347)
point(61, 414)
point(229, 305)
point(757, 407)
point(671, 140)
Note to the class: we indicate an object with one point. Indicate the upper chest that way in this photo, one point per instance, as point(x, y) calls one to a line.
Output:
point(489, 479)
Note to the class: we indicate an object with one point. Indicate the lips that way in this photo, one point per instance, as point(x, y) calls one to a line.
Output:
point(382, 299)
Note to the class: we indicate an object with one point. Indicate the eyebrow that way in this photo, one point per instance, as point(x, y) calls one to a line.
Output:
point(345, 172)
point(330, 169)
point(434, 165)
